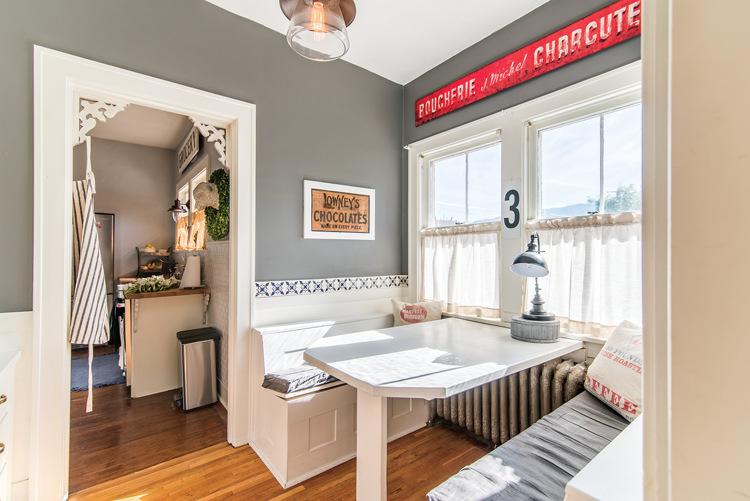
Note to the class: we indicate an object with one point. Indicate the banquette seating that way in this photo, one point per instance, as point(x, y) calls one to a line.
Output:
point(302, 433)
point(537, 464)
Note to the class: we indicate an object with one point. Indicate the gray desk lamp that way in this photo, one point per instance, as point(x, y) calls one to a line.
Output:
point(536, 326)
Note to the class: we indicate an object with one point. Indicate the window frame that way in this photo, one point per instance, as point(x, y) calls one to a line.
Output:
point(190, 185)
point(465, 151)
point(513, 124)
point(582, 112)
point(442, 153)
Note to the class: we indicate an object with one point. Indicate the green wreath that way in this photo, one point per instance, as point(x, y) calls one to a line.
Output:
point(217, 220)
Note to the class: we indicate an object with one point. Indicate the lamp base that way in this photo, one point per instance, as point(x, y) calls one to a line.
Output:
point(535, 331)
point(546, 317)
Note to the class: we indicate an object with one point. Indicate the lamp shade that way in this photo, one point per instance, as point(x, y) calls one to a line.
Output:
point(178, 210)
point(530, 264)
point(317, 28)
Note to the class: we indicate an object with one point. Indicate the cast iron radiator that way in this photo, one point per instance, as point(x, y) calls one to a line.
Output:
point(502, 409)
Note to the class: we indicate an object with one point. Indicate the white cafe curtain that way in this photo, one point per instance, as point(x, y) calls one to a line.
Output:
point(461, 266)
point(595, 279)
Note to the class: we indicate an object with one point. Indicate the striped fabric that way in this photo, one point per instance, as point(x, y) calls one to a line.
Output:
point(89, 323)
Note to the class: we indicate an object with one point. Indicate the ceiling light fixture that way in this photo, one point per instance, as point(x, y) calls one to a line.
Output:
point(317, 28)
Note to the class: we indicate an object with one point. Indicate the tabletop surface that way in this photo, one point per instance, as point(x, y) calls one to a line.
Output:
point(431, 359)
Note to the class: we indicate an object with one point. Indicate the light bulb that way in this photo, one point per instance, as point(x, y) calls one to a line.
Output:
point(317, 30)
point(318, 21)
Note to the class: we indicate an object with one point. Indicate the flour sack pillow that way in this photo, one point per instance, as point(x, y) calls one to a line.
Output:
point(407, 314)
point(615, 375)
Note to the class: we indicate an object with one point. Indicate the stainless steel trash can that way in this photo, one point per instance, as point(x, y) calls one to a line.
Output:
point(198, 356)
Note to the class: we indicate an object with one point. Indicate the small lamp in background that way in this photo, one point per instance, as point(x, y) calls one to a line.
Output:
point(178, 210)
point(536, 326)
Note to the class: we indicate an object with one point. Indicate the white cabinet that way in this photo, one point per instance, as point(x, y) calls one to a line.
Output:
point(152, 322)
point(7, 398)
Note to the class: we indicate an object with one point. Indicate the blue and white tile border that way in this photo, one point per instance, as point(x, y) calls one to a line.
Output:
point(324, 285)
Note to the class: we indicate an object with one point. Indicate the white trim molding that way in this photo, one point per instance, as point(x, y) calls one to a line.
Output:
point(656, 45)
point(59, 82)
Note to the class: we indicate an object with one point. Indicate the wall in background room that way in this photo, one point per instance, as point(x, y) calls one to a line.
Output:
point(331, 122)
point(135, 183)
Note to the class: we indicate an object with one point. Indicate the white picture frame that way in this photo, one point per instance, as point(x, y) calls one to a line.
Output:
point(358, 194)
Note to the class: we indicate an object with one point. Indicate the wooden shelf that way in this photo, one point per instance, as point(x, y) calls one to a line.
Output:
point(168, 293)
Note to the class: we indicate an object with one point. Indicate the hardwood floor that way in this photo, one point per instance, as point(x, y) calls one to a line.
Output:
point(103, 349)
point(123, 435)
point(417, 463)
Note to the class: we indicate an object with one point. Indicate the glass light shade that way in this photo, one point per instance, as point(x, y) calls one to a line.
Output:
point(179, 210)
point(317, 30)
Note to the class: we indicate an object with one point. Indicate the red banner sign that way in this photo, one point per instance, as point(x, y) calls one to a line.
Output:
point(605, 28)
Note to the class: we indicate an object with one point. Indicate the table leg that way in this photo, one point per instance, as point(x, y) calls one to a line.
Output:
point(372, 447)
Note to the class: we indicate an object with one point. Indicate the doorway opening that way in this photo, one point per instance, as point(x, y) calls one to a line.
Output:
point(137, 420)
point(61, 81)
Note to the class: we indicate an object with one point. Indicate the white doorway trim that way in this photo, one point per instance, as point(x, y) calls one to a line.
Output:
point(58, 81)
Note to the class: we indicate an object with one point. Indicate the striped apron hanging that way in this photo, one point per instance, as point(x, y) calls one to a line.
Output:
point(89, 322)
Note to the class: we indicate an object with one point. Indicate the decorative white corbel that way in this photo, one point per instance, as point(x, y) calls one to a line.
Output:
point(216, 136)
point(92, 111)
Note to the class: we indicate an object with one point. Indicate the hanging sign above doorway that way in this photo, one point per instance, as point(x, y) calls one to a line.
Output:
point(605, 28)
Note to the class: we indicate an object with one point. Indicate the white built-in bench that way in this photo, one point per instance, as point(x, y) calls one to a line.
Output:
point(301, 434)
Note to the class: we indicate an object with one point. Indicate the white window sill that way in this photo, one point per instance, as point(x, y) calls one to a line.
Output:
point(500, 323)
point(482, 320)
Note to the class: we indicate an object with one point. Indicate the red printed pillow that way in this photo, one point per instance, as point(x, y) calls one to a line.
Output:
point(616, 373)
point(407, 314)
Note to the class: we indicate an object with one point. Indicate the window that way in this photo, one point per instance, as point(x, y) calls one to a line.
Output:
point(191, 229)
point(583, 162)
point(465, 187)
point(461, 244)
point(590, 164)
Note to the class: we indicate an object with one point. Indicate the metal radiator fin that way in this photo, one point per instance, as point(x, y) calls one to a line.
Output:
point(503, 408)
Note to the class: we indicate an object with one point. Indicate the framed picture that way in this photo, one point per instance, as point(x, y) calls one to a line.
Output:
point(338, 212)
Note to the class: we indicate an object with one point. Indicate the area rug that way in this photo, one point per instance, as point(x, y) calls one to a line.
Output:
point(106, 372)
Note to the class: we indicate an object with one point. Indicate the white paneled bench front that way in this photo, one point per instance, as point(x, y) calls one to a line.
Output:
point(301, 434)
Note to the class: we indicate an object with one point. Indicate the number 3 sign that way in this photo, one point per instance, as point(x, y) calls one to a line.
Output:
point(512, 208)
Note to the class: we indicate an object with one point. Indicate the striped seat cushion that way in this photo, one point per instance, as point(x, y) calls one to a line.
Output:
point(538, 463)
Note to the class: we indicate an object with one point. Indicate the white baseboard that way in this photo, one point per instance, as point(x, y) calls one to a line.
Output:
point(278, 476)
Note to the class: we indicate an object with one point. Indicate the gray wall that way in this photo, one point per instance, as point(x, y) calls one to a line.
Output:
point(136, 184)
point(330, 122)
point(548, 18)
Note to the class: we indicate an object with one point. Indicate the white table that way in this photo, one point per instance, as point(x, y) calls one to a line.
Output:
point(428, 360)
